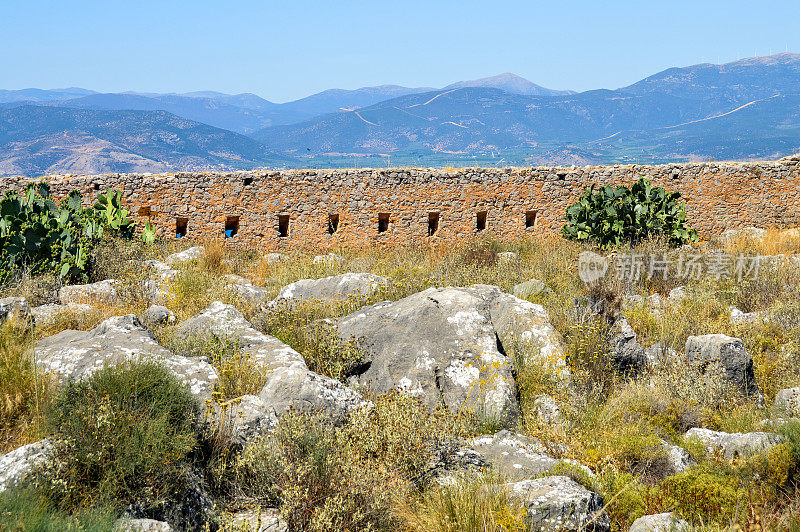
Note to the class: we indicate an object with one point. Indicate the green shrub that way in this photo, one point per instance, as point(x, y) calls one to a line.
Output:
point(38, 234)
point(120, 436)
point(612, 216)
point(349, 477)
point(27, 511)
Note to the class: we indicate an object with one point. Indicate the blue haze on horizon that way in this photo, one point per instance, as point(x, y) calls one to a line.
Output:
point(286, 50)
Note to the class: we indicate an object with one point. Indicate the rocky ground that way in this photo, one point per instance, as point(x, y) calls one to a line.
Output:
point(479, 388)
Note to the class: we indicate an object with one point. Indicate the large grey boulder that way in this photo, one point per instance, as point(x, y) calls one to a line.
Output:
point(440, 345)
point(290, 385)
point(15, 309)
point(226, 323)
point(17, 465)
point(666, 522)
point(77, 354)
point(787, 401)
point(252, 294)
point(298, 388)
point(193, 253)
point(736, 444)
point(49, 314)
point(559, 503)
point(730, 354)
point(157, 316)
point(141, 525)
point(245, 417)
point(515, 456)
point(264, 520)
point(334, 288)
point(99, 292)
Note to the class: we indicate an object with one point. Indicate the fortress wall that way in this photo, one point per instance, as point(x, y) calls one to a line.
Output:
point(516, 201)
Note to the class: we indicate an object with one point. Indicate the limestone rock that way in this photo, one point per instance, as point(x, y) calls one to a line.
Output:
point(677, 457)
point(99, 292)
point(15, 309)
point(77, 354)
point(265, 520)
point(507, 256)
point(334, 288)
point(246, 417)
point(559, 503)
point(440, 345)
point(666, 522)
point(298, 388)
point(546, 410)
point(254, 295)
point(331, 259)
point(228, 324)
point(193, 253)
point(48, 314)
point(748, 233)
point(157, 316)
point(737, 316)
point(515, 456)
point(788, 401)
point(17, 465)
point(274, 258)
point(736, 444)
point(530, 288)
point(141, 525)
point(731, 354)
point(626, 352)
point(676, 295)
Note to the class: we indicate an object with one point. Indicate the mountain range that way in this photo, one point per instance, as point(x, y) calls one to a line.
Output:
point(740, 110)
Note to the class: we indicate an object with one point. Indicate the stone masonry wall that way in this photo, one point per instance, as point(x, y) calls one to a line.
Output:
point(516, 201)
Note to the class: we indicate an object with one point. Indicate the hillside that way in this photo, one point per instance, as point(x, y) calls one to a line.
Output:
point(511, 83)
point(40, 139)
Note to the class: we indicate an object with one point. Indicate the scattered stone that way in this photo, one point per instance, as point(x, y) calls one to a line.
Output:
point(655, 301)
point(731, 354)
point(255, 295)
point(99, 292)
point(530, 289)
point(515, 456)
point(274, 258)
point(546, 410)
point(334, 288)
point(659, 353)
point(141, 525)
point(737, 316)
point(236, 279)
point(77, 354)
point(162, 270)
point(507, 256)
point(331, 259)
point(157, 316)
point(736, 444)
point(264, 520)
point(15, 309)
point(49, 314)
point(193, 253)
point(627, 354)
point(559, 503)
point(676, 295)
point(246, 417)
point(16, 466)
point(788, 401)
point(666, 522)
point(677, 457)
point(748, 233)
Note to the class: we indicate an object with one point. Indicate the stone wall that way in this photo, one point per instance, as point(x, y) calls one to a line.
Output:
point(332, 208)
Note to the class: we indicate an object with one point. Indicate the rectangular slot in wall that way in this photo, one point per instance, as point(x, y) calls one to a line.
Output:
point(181, 226)
point(383, 222)
point(231, 226)
point(433, 223)
point(333, 223)
point(283, 225)
point(145, 211)
point(248, 181)
point(480, 221)
point(530, 219)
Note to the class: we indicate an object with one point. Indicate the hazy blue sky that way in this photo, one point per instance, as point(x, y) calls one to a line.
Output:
point(286, 50)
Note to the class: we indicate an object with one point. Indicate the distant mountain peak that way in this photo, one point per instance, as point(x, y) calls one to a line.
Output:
point(509, 82)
